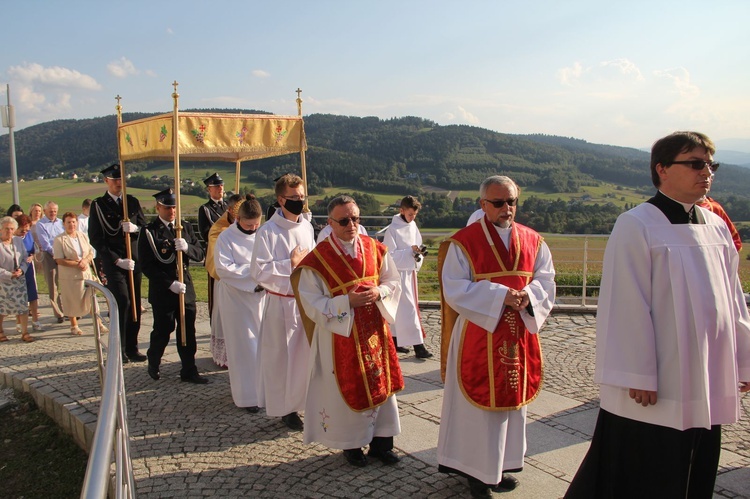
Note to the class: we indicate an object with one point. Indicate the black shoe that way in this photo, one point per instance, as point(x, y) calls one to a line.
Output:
point(293, 421)
point(421, 352)
point(402, 349)
point(479, 489)
point(195, 379)
point(387, 456)
point(60, 320)
point(153, 372)
point(137, 357)
point(125, 359)
point(509, 482)
point(355, 457)
point(253, 409)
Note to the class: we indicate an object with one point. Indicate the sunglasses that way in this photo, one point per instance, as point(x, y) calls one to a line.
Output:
point(499, 203)
point(697, 164)
point(345, 221)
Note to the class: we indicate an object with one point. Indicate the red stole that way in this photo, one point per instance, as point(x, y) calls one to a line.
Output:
point(500, 370)
point(365, 363)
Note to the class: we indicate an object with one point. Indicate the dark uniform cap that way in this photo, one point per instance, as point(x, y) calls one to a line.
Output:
point(214, 179)
point(165, 197)
point(112, 171)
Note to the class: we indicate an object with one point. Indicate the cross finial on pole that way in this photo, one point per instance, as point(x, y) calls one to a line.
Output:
point(175, 84)
point(299, 101)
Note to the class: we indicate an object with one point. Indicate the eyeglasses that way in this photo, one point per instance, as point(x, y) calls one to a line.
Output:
point(499, 203)
point(294, 198)
point(345, 221)
point(697, 164)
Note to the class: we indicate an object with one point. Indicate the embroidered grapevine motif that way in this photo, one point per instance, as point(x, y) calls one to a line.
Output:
point(128, 139)
point(280, 134)
point(241, 134)
point(373, 417)
point(163, 133)
point(200, 134)
point(323, 423)
point(340, 317)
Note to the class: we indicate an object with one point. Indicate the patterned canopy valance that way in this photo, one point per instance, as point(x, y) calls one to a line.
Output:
point(217, 137)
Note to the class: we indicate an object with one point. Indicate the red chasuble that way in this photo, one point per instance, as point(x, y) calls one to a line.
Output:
point(497, 370)
point(366, 363)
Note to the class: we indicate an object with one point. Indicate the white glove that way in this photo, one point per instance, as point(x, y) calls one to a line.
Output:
point(125, 263)
point(130, 227)
point(180, 244)
point(178, 288)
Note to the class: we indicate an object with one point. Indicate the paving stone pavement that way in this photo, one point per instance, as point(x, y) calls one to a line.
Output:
point(191, 441)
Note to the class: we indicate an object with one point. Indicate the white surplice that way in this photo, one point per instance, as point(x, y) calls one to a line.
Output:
point(283, 349)
point(328, 419)
point(476, 442)
point(672, 318)
point(399, 237)
point(475, 216)
point(242, 307)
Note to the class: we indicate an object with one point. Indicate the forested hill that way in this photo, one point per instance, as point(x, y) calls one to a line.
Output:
point(399, 155)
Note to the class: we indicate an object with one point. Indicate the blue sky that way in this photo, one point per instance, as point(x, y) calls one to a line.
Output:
point(622, 73)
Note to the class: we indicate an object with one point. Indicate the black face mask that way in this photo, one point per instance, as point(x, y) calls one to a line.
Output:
point(294, 207)
point(248, 232)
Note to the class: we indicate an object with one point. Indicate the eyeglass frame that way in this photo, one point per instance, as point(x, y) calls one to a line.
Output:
point(499, 203)
point(292, 198)
point(344, 222)
point(694, 163)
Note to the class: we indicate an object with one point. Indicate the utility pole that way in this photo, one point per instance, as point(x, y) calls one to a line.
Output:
point(9, 122)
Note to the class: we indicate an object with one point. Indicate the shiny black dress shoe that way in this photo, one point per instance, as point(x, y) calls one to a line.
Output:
point(195, 379)
point(136, 356)
point(509, 482)
point(154, 372)
point(60, 320)
point(421, 352)
point(125, 359)
point(402, 349)
point(254, 409)
point(355, 457)
point(293, 421)
point(387, 456)
point(479, 489)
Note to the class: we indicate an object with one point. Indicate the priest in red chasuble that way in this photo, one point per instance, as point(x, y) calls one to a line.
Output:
point(497, 289)
point(348, 290)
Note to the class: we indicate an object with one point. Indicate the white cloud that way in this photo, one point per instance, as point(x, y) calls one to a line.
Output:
point(259, 73)
point(170, 31)
point(53, 76)
point(680, 80)
point(449, 116)
point(122, 68)
point(569, 76)
point(467, 116)
point(150, 72)
point(624, 67)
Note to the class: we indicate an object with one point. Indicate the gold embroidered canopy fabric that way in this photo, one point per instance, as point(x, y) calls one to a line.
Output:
point(205, 136)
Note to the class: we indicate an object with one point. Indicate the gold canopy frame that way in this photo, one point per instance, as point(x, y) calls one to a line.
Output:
point(195, 136)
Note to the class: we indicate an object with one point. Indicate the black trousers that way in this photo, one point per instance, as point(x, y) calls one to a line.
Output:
point(118, 282)
point(629, 458)
point(167, 320)
point(210, 298)
point(380, 444)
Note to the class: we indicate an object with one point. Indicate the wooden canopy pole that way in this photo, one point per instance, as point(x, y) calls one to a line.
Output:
point(302, 149)
point(238, 163)
point(128, 251)
point(178, 211)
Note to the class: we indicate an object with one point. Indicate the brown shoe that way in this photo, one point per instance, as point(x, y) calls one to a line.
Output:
point(27, 338)
point(3, 337)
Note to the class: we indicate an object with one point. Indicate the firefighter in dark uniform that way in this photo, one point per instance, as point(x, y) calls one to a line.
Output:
point(107, 236)
point(158, 248)
point(208, 214)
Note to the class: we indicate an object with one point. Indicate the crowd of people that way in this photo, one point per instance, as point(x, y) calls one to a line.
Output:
point(312, 329)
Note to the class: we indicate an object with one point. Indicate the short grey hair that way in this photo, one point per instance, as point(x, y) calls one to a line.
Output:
point(49, 203)
point(495, 180)
point(340, 201)
point(9, 221)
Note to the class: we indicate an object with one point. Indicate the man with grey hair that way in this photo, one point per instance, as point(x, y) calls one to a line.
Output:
point(497, 289)
point(48, 228)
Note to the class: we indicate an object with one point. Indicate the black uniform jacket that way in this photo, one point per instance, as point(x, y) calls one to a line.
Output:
point(159, 262)
point(209, 213)
point(105, 233)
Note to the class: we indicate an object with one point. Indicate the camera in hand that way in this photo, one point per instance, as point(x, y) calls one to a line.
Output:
point(421, 254)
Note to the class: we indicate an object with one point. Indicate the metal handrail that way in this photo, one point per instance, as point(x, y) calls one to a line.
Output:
point(112, 424)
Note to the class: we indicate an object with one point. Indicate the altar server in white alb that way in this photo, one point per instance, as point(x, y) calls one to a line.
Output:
point(348, 289)
point(497, 289)
point(404, 244)
point(672, 338)
point(242, 301)
point(280, 244)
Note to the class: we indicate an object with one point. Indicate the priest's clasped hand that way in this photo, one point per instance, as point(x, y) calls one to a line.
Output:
point(297, 255)
point(363, 296)
point(517, 300)
point(643, 397)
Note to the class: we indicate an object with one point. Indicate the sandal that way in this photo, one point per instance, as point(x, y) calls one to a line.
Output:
point(27, 337)
point(3, 337)
point(76, 331)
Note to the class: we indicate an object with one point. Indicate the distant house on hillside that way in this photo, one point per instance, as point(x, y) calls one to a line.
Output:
point(74, 176)
point(40, 177)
